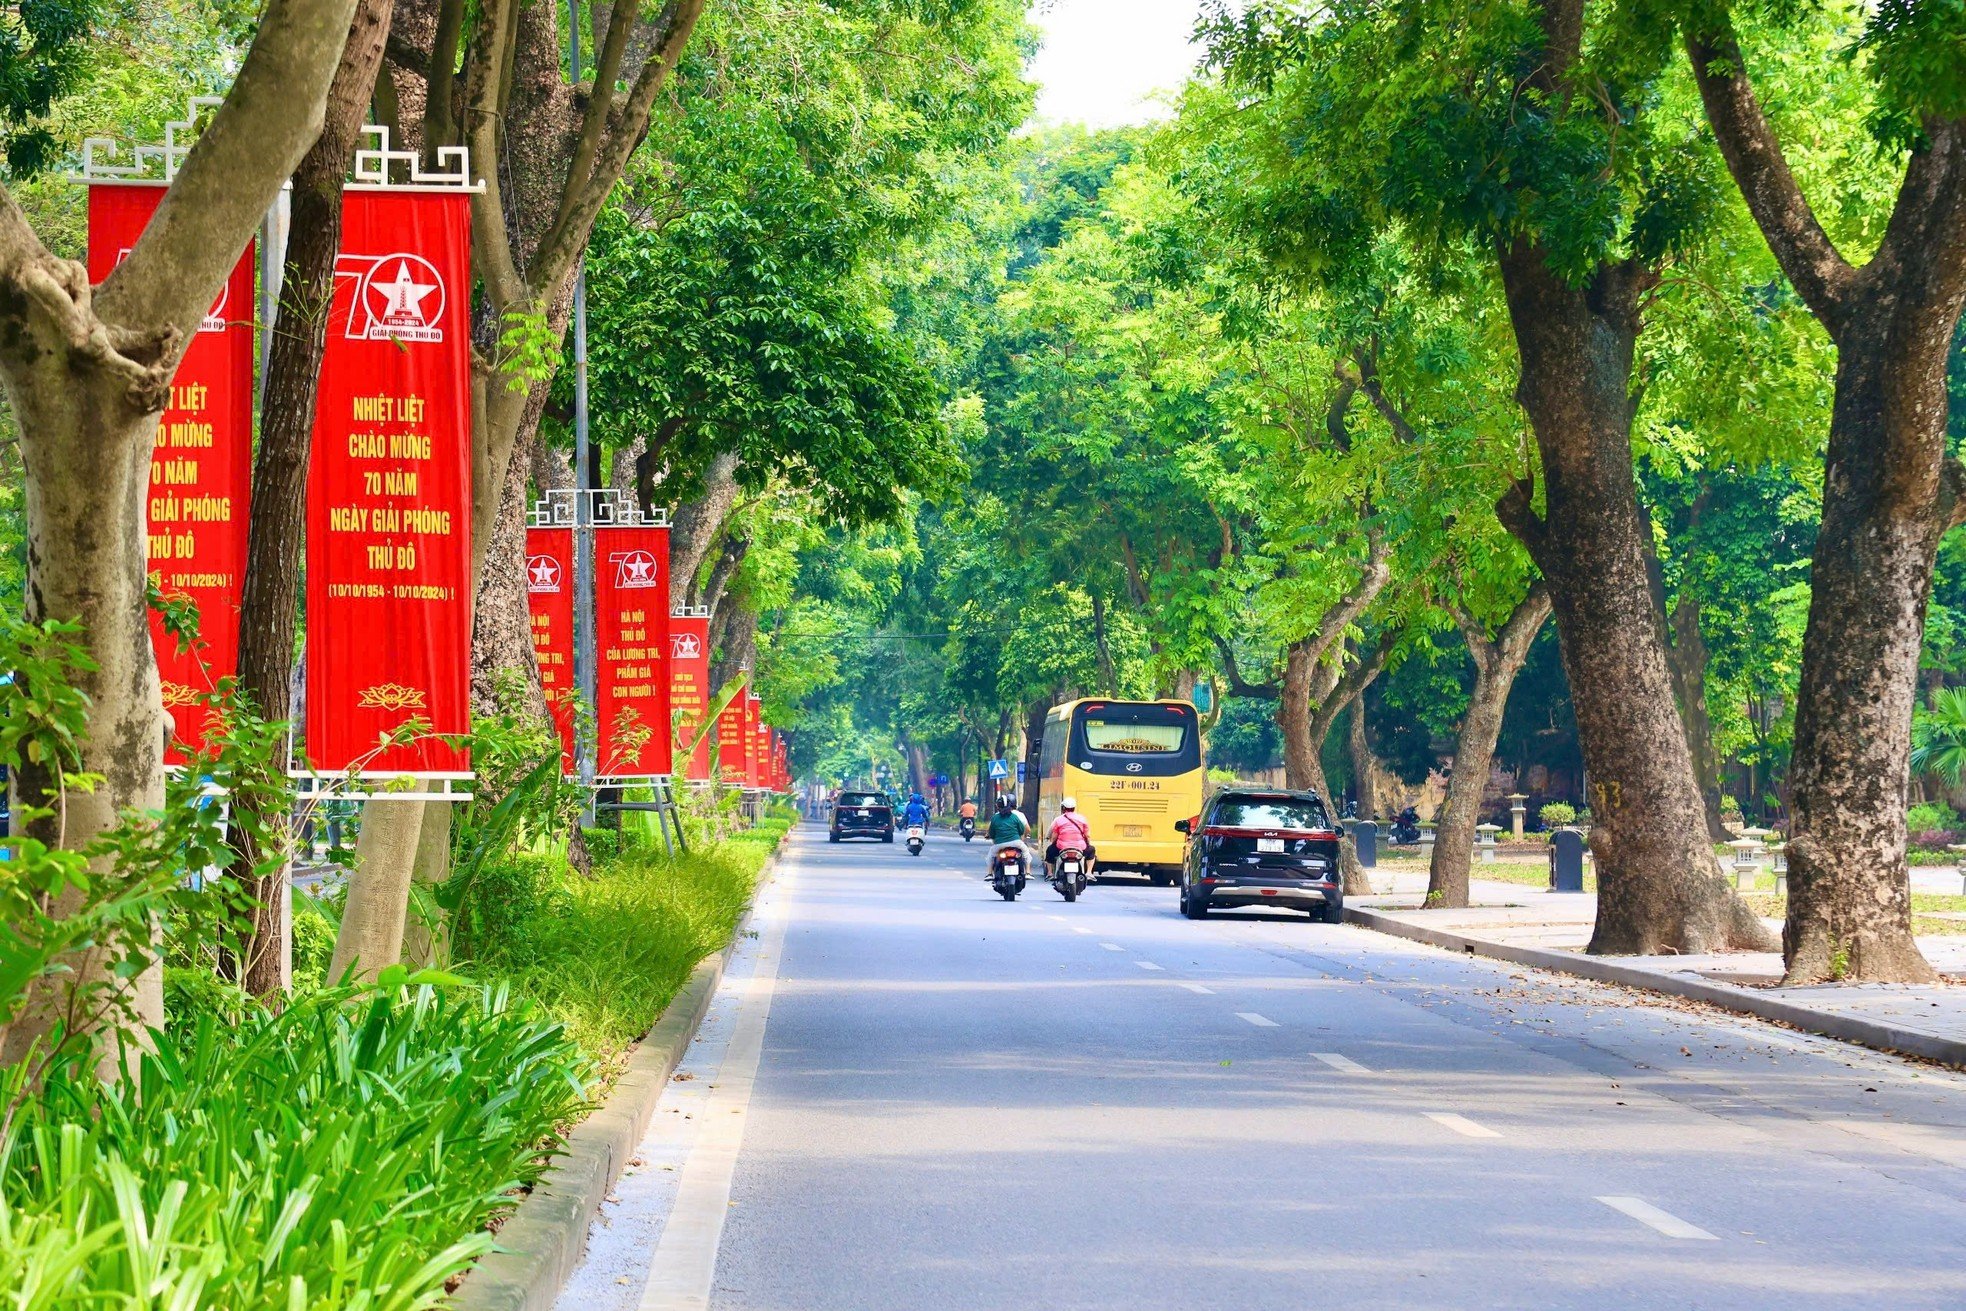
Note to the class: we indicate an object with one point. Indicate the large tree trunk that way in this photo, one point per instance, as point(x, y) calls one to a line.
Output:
point(1034, 717)
point(269, 603)
point(1687, 660)
point(1890, 492)
point(699, 521)
point(1363, 766)
point(501, 622)
point(1659, 885)
point(1849, 909)
point(1314, 695)
point(1497, 662)
point(88, 373)
point(88, 471)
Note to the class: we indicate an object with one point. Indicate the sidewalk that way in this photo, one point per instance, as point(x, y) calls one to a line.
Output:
point(1530, 926)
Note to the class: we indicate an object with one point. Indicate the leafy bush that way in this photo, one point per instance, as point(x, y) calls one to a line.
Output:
point(1556, 814)
point(604, 954)
point(1730, 805)
point(1930, 816)
point(316, 922)
point(346, 1152)
point(1936, 839)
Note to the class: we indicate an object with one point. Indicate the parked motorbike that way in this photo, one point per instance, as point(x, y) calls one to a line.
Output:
point(1068, 873)
point(967, 827)
point(1007, 871)
point(1406, 827)
point(917, 835)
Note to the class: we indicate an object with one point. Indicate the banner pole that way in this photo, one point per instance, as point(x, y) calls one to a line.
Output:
point(583, 515)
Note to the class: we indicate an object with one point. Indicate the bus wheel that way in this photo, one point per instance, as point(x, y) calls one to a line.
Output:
point(1160, 878)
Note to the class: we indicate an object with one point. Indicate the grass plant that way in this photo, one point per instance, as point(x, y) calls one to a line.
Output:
point(344, 1153)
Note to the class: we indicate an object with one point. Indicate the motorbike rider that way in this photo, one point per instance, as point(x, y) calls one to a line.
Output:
point(1069, 830)
point(1007, 828)
point(968, 810)
point(915, 812)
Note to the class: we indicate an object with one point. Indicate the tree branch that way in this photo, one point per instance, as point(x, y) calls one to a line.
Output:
point(269, 119)
point(1346, 688)
point(1820, 274)
point(1237, 686)
point(627, 124)
point(1378, 571)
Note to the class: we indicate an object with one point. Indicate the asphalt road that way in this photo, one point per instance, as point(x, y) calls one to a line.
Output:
point(913, 1095)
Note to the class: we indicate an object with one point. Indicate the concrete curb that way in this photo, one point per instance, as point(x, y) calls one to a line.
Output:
point(1745, 1001)
point(543, 1241)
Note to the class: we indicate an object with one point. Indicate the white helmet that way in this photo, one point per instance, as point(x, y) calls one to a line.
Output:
point(1070, 803)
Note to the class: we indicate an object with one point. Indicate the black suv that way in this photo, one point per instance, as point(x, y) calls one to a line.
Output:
point(862, 815)
point(1257, 847)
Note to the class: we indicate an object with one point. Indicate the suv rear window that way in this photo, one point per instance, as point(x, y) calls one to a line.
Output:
point(1269, 812)
point(862, 799)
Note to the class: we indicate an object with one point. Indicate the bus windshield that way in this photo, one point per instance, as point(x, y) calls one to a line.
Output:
point(1138, 738)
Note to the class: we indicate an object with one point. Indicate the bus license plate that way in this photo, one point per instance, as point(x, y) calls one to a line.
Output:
point(1269, 844)
point(1131, 830)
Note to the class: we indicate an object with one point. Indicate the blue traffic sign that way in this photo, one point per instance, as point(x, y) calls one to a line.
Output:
point(999, 769)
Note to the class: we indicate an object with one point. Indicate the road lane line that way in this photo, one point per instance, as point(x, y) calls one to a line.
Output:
point(1664, 1221)
point(1342, 1064)
point(1461, 1124)
point(1112, 946)
point(1197, 988)
point(684, 1267)
point(1257, 1020)
point(1077, 929)
point(1146, 965)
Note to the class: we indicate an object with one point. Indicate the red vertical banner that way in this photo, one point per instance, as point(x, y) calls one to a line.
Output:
point(731, 738)
point(549, 598)
point(201, 470)
point(389, 490)
point(631, 636)
point(689, 687)
point(753, 711)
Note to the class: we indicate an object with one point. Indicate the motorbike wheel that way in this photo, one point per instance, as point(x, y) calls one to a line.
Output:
point(1008, 891)
point(1069, 889)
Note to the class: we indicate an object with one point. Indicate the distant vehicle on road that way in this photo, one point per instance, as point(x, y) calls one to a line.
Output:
point(1135, 767)
point(862, 815)
point(1263, 847)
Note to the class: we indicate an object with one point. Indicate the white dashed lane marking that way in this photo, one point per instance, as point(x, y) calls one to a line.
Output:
point(1112, 946)
point(1664, 1221)
point(1257, 1020)
point(1197, 988)
point(1077, 929)
point(1461, 1124)
point(1146, 965)
point(1342, 1064)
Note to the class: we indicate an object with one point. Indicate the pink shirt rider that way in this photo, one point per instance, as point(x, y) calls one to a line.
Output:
point(1068, 830)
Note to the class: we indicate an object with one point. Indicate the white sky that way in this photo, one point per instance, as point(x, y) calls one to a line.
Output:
point(1103, 59)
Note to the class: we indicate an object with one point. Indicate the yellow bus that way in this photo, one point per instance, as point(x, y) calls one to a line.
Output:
point(1134, 767)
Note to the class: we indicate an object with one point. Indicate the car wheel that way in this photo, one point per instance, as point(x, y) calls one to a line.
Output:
point(1333, 912)
point(1193, 906)
point(832, 837)
point(888, 838)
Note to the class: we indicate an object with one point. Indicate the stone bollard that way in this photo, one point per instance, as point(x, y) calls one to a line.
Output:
point(1486, 846)
point(1517, 812)
point(1566, 861)
point(1427, 842)
point(1746, 849)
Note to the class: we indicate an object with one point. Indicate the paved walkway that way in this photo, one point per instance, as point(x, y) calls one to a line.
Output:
point(1517, 915)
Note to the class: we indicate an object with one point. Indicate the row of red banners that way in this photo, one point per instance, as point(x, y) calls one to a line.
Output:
point(389, 522)
point(652, 681)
